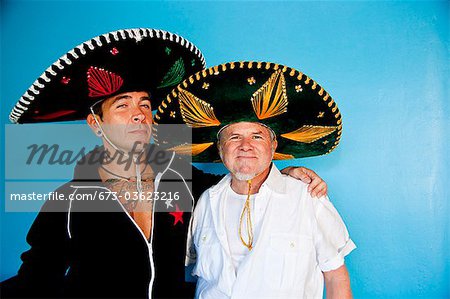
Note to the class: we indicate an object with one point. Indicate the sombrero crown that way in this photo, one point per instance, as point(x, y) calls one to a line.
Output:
point(303, 115)
point(125, 60)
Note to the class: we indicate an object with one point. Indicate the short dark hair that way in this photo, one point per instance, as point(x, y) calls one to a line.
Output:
point(98, 108)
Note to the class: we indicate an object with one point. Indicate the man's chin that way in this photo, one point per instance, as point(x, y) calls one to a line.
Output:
point(244, 176)
point(134, 148)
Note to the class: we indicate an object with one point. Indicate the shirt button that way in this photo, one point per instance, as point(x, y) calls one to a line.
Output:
point(292, 245)
point(203, 238)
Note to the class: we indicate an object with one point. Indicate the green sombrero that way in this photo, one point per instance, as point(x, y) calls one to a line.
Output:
point(140, 59)
point(303, 115)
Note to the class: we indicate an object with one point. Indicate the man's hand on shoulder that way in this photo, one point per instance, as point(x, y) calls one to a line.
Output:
point(317, 187)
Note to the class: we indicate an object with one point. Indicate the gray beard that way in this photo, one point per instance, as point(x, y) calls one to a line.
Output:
point(243, 176)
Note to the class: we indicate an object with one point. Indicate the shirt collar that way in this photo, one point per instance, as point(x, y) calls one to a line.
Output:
point(274, 181)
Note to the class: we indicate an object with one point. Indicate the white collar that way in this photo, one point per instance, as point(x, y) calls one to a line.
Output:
point(274, 182)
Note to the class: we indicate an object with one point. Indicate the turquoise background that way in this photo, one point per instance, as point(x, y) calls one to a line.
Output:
point(385, 63)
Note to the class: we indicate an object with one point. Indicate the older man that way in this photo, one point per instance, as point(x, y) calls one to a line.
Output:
point(259, 234)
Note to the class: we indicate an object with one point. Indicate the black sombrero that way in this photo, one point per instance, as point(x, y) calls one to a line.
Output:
point(125, 60)
point(303, 115)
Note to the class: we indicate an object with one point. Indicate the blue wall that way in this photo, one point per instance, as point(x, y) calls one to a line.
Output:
point(385, 63)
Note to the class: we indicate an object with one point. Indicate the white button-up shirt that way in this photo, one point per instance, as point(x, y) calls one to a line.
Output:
point(300, 237)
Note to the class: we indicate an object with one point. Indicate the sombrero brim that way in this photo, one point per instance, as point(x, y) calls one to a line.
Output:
point(305, 118)
point(127, 60)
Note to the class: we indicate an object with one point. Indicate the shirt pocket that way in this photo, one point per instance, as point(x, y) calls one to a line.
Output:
point(209, 260)
point(289, 259)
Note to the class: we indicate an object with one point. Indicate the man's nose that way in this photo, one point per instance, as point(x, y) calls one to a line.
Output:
point(138, 116)
point(245, 144)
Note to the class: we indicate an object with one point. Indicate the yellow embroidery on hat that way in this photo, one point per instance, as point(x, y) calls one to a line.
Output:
point(280, 156)
point(271, 99)
point(309, 134)
point(191, 149)
point(196, 113)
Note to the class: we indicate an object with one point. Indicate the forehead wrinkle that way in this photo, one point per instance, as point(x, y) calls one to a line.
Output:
point(120, 97)
point(225, 134)
point(127, 97)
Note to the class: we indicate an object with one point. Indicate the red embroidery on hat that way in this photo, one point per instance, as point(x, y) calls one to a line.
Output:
point(178, 215)
point(102, 83)
point(65, 80)
point(54, 115)
point(114, 51)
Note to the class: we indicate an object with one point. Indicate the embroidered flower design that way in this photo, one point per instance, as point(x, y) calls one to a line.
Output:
point(65, 80)
point(114, 51)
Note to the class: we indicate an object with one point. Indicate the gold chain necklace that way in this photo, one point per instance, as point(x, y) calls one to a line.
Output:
point(249, 227)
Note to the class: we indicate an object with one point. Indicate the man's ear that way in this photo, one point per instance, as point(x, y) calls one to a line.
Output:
point(93, 124)
point(219, 149)
point(274, 146)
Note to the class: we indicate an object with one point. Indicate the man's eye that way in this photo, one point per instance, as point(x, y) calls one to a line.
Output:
point(234, 137)
point(257, 137)
point(146, 106)
point(121, 106)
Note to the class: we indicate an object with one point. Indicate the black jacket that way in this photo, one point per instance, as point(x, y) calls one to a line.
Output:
point(104, 254)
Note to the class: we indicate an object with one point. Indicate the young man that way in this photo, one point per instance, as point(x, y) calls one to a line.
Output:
point(121, 247)
point(257, 233)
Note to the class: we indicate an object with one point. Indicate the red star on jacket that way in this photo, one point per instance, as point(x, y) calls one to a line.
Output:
point(178, 215)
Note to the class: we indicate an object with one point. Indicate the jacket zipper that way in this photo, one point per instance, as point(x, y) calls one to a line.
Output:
point(149, 244)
